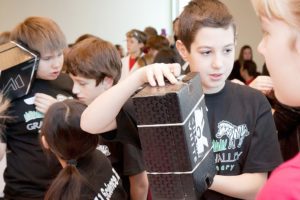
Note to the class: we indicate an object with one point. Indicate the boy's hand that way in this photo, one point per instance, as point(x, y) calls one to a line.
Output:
point(43, 102)
point(156, 73)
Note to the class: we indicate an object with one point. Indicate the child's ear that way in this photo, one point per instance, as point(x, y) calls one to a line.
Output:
point(108, 82)
point(182, 50)
point(45, 143)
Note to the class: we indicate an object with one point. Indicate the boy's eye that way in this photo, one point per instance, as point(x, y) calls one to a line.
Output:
point(46, 58)
point(205, 53)
point(82, 84)
point(228, 50)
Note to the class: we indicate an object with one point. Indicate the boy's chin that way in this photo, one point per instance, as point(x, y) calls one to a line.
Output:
point(83, 101)
point(47, 78)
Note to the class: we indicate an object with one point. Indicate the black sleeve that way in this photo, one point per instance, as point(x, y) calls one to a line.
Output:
point(264, 152)
point(133, 162)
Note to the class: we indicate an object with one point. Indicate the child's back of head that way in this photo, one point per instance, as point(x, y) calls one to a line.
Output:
point(250, 67)
point(62, 135)
point(61, 129)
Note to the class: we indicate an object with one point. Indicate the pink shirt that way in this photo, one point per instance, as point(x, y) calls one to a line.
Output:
point(284, 183)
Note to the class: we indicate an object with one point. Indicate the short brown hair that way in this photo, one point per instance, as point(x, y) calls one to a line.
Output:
point(40, 34)
point(202, 13)
point(150, 31)
point(158, 42)
point(94, 58)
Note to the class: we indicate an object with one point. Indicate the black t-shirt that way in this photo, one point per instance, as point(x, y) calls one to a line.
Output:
point(29, 170)
point(235, 73)
point(122, 146)
point(244, 136)
point(104, 181)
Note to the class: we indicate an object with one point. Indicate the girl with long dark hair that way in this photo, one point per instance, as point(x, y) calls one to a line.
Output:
point(86, 172)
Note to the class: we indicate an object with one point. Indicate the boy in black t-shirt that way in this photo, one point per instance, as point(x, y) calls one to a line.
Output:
point(243, 132)
point(95, 66)
point(29, 172)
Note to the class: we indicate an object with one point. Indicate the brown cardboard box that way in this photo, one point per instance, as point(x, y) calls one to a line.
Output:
point(17, 68)
point(175, 138)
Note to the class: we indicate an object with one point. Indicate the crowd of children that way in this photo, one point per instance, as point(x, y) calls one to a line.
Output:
point(74, 135)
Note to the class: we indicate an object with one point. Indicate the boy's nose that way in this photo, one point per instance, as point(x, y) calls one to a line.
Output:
point(57, 63)
point(75, 89)
point(217, 62)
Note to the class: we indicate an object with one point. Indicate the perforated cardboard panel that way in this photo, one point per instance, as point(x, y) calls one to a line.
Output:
point(175, 138)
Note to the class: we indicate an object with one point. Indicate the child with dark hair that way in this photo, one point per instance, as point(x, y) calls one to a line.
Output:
point(28, 172)
point(249, 71)
point(245, 54)
point(95, 66)
point(156, 43)
point(167, 55)
point(86, 173)
point(150, 31)
point(242, 128)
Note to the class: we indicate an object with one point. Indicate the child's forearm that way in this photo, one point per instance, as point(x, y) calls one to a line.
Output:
point(104, 109)
point(139, 186)
point(244, 186)
point(100, 115)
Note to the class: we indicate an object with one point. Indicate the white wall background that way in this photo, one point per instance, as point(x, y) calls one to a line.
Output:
point(109, 19)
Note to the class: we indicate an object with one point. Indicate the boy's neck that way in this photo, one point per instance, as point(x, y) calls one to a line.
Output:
point(212, 90)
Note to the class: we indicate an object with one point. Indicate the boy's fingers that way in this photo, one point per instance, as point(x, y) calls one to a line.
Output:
point(158, 72)
point(175, 69)
point(169, 75)
point(42, 101)
point(150, 77)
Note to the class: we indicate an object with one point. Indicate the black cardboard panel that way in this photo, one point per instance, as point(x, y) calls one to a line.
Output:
point(175, 138)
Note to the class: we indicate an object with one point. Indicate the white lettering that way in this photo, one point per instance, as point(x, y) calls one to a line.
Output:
point(107, 191)
point(34, 126)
